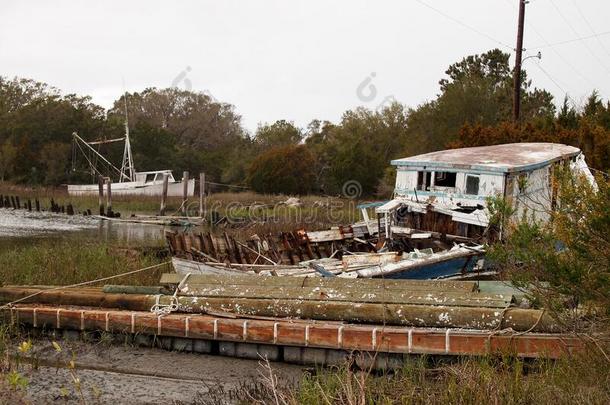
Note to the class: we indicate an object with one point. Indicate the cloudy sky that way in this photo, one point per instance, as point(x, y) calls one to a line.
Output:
point(297, 60)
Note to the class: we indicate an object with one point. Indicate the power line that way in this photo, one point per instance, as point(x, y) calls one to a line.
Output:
point(547, 74)
point(596, 35)
point(552, 47)
point(601, 63)
point(463, 24)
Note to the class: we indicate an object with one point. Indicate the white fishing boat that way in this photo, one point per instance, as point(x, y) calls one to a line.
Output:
point(130, 182)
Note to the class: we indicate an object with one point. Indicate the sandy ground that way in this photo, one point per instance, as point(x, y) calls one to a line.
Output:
point(131, 375)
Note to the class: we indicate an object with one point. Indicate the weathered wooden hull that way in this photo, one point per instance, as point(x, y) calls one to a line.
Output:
point(174, 189)
point(444, 269)
point(451, 267)
point(184, 266)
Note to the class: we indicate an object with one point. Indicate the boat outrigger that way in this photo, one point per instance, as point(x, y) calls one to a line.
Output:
point(130, 182)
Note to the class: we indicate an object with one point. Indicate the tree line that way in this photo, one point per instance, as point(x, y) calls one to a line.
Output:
point(186, 130)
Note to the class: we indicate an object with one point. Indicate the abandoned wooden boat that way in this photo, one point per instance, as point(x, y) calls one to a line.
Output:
point(448, 191)
point(332, 253)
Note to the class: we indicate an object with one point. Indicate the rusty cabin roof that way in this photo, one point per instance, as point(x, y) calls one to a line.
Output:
point(506, 158)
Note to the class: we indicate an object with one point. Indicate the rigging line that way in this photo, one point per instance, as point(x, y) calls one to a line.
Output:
point(596, 35)
point(463, 24)
point(602, 64)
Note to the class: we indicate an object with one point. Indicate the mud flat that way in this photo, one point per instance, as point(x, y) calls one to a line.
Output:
point(134, 375)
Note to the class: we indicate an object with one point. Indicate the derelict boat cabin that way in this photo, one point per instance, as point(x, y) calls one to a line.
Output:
point(447, 191)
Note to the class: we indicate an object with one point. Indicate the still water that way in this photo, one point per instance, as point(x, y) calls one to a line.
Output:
point(22, 226)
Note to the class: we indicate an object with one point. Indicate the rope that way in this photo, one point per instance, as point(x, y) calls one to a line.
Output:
point(166, 309)
point(513, 333)
point(83, 283)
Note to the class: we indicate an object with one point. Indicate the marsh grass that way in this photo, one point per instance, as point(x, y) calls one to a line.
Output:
point(60, 262)
point(316, 211)
point(577, 380)
point(582, 379)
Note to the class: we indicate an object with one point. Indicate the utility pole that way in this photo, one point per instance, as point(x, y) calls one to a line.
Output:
point(517, 72)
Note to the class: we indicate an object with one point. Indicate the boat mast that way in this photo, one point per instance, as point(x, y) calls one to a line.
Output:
point(127, 168)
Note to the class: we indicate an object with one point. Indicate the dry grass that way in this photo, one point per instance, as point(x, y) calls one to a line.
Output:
point(583, 379)
point(64, 263)
point(242, 214)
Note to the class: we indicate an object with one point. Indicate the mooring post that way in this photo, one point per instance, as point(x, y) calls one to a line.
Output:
point(13, 202)
point(109, 197)
point(185, 191)
point(29, 205)
point(164, 194)
point(37, 205)
point(18, 202)
point(201, 193)
point(1, 201)
point(100, 188)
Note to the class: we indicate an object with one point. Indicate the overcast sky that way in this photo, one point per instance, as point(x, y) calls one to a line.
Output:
point(296, 60)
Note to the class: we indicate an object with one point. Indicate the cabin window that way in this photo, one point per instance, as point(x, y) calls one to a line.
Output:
point(159, 177)
point(150, 177)
point(472, 184)
point(423, 180)
point(444, 179)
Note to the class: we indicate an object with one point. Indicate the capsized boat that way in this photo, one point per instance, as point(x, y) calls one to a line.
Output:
point(337, 252)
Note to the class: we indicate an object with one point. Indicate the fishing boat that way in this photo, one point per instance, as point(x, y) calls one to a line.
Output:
point(130, 181)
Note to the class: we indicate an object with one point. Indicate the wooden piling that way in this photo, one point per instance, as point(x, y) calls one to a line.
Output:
point(13, 204)
point(18, 202)
point(109, 197)
point(69, 209)
point(485, 318)
point(37, 205)
point(1, 201)
point(201, 193)
point(29, 205)
point(164, 194)
point(100, 186)
point(185, 189)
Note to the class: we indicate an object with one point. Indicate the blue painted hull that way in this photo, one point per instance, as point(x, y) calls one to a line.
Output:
point(452, 267)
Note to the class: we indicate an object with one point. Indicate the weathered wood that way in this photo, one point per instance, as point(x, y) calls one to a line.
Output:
point(300, 333)
point(185, 188)
point(201, 194)
point(134, 289)
point(406, 285)
point(404, 265)
point(353, 293)
point(100, 188)
point(387, 314)
point(109, 197)
point(164, 194)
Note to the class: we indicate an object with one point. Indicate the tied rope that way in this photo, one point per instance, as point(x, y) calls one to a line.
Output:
point(166, 309)
point(10, 304)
